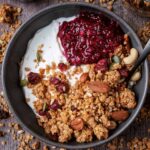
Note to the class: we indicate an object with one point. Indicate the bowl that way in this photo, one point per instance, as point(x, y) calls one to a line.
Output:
point(16, 50)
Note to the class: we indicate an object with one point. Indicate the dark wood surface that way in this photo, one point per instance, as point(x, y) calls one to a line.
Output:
point(135, 21)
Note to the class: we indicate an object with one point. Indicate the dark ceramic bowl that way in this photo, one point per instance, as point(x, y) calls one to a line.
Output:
point(16, 50)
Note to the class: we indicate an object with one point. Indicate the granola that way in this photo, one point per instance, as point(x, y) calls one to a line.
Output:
point(96, 104)
point(9, 15)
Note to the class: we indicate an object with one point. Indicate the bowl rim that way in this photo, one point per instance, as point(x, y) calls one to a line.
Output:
point(66, 145)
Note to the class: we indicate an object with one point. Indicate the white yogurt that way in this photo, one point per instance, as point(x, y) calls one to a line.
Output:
point(52, 52)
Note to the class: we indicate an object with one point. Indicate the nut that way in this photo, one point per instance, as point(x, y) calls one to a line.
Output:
point(98, 86)
point(77, 124)
point(112, 125)
point(120, 115)
point(84, 77)
point(132, 57)
point(136, 76)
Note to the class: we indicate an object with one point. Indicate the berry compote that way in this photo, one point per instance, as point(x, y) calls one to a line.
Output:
point(89, 38)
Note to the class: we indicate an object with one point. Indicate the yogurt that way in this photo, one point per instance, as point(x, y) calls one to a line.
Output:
point(52, 52)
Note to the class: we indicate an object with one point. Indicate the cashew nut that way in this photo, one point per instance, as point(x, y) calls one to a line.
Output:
point(136, 76)
point(132, 57)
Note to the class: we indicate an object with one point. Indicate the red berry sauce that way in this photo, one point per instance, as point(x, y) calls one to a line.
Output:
point(89, 38)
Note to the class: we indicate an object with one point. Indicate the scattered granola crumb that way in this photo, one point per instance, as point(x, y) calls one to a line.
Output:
point(9, 14)
point(3, 114)
point(45, 147)
point(144, 32)
point(2, 133)
point(2, 124)
point(107, 4)
point(104, 3)
point(35, 145)
point(139, 143)
point(117, 143)
point(144, 114)
point(4, 40)
point(3, 142)
point(90, 1)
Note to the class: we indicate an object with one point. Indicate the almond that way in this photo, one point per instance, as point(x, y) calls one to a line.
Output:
point(98, 86)
point(77, 124)
point(120, 115)
point(84, 77)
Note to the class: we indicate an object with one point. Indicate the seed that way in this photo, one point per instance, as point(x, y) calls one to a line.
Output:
point(116, 59)
point(23, 82)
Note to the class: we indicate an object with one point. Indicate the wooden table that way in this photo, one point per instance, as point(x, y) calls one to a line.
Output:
point(29, 9)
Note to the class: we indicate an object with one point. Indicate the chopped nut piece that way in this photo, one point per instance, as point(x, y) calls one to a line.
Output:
point(77, 124)
point(35, 145)
point(84, 77)
point(98, 86)
point(120, 115)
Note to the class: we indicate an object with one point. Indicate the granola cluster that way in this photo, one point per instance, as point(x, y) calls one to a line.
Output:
point(139, 143)
point(144, 32)
point(97, 103)
point(140, 4)
point(9, 14)
point(9, 20)
point(103, 3)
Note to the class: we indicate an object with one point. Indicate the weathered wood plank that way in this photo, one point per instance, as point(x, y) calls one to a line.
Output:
point(131, 18)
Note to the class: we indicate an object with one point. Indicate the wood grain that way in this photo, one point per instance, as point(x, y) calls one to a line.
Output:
point(131, 18)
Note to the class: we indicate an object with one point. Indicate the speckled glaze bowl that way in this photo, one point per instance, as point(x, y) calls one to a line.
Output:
point(16, 50)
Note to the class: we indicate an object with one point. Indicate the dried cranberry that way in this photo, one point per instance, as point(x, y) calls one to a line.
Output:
point(62, 67)
point(102, 65)
point(120, 87)
point(53, 137)
point(48, 115)
point(89, 38)
point(4, 114)
point(55, 105)
point(34, 78)
point(62, 87)
point(124, 72)
point(54, 80)
point(42, 113)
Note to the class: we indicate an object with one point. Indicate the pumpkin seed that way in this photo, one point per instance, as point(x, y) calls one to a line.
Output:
point(38, 56)
point(116, 59)
point(23, 82)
